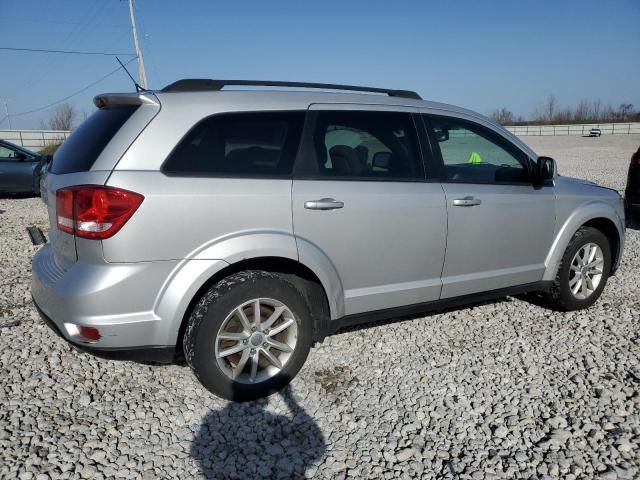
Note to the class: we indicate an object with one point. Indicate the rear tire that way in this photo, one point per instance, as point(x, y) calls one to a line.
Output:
point(224, 321)
point(583, 271)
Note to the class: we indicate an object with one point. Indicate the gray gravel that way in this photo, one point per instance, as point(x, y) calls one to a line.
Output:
point(501, 390)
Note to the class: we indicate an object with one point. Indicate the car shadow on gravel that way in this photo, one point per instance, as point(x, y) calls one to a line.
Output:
point(633, 221)
point(243, 440)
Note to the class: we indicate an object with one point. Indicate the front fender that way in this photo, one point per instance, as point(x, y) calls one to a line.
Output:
point(581, 215)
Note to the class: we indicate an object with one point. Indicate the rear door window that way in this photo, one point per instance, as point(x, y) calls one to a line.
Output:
point(365, 145)
point(255, 144)
point(80, 151)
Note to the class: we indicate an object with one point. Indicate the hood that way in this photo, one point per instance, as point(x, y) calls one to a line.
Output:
point(575, 182)
point(582, 181)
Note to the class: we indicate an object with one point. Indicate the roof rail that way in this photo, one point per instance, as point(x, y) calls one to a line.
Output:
point(199, 84)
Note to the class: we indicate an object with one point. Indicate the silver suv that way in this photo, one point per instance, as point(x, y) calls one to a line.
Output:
point(238, 227)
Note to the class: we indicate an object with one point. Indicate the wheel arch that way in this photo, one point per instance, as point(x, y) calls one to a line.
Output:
point(606, 226)
point(597, 215)
point(301, 276)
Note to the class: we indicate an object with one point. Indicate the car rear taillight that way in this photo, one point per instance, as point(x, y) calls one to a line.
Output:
point(64, 210)
point(94, 211)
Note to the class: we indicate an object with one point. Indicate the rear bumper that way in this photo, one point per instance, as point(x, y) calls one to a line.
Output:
point(158, 354)
point(116, 299)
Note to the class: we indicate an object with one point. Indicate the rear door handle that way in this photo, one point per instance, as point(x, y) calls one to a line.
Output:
point(467, 202)
point(323, 204)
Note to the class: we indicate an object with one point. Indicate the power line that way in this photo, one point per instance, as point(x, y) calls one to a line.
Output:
point(58, 22)
point(73, 94)
point(75, 52)
point(51, 60)
point(92, 15)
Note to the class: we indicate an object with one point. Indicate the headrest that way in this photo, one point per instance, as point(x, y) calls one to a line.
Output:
point(345, 160)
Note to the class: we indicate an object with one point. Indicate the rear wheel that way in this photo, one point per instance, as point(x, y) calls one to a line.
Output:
point(583, 271)
point(248, 336)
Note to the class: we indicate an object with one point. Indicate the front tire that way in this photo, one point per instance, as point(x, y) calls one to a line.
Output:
point(248, 336)
point(583, 272)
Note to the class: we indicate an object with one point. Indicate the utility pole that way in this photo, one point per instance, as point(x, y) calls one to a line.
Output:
point(6, 110)
point(142, 75)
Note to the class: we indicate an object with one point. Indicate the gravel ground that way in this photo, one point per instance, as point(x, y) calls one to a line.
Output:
point(500, 390)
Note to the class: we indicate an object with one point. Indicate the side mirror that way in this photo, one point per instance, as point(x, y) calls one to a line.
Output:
point(442, 134)
point(21, 157)
point(381, 160)
point(547, 169)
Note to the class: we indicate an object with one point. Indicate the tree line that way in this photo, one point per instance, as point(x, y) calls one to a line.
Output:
point(550, 112)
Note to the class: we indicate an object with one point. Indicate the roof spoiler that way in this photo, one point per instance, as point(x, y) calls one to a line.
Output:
point(203, 84)
point(105, 100)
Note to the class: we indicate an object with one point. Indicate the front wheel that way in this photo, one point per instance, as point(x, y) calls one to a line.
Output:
point(583, 271)
point(248, 336)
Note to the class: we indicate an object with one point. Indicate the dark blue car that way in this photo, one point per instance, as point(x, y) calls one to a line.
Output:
point(20, 169)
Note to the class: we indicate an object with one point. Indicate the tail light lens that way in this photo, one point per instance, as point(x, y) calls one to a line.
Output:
point(64, 210)
point(94, 211)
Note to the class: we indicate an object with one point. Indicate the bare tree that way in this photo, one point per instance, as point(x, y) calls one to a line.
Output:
point(608, 114)
point(550, 108)
point(624, 110)
point(596, 110)
point(503, 116)
point(582, 112)
point(564, 116)
point(62, 118)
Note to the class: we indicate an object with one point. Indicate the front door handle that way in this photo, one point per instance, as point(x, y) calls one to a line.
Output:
point(323, 204)
point(467, 202)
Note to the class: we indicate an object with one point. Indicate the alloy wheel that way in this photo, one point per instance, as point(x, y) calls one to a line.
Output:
point(586, 271)
point(256, 340)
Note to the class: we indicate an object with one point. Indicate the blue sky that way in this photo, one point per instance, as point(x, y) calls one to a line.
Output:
point(480, 55)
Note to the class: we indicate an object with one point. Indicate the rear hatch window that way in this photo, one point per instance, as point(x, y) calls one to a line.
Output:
point(80, 151)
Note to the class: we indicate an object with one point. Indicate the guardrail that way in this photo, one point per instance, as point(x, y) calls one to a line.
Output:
point(34, 139)
point(576, 129)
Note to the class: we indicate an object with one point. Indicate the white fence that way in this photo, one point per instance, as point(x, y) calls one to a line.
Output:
point(578, 129)
point(37, 139)
point(34, 139)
